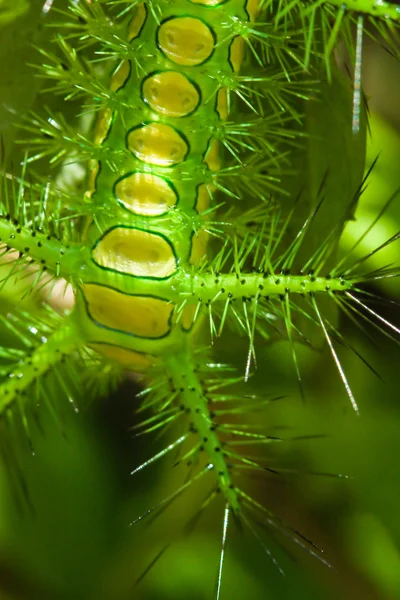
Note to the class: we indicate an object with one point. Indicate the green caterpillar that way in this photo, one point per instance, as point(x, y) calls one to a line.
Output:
point(144, 264)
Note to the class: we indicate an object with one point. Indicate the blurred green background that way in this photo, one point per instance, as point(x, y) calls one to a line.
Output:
point(70, 536)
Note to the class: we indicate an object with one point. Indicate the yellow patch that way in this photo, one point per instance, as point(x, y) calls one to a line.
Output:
point(145, 194)
point(170, 93)
point(236, 53)
point(128, 358)
point(222, 104)
point(187, 317)
point(103, 125)
point(213, 159)
point(208, 2)
point(135, 26)
point(120, 76)
point(252, 8)
point(94, 168)
point(203, 198)
point(142, 316)
point(135, 252)
point(186, 41)
point(157, 144)
point(199, 246)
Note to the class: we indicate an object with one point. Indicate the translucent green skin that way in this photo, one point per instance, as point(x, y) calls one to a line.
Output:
point(177, 227)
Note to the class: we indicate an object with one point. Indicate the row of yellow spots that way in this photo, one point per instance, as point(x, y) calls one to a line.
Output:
point(130, 250)
point(185, 41)
point(188, 42)
point(168, 93)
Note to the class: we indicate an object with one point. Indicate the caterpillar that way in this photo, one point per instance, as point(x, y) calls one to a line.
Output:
point(190, 214)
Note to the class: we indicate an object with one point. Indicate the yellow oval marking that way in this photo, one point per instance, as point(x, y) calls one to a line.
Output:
point(213, 159)
point(170, 93)
point(236, 53)
point(188, 316)
point(186, 41)
point(208, 2)
point(199, 247)
point(120, 76)
point(203, 198)
point(142, 316)
point(222, 104)
point(145, 194)
point(103, 125)
point(252, 9)
point(135, 26)
point(157, 144)
point(128, 358)
point(94, 168)
point(135, 252)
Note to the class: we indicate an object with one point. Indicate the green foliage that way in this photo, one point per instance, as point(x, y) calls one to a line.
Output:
point(9, 11)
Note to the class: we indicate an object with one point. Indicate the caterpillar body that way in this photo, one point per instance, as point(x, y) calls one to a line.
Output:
point(125, 302)
point(144, 268)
